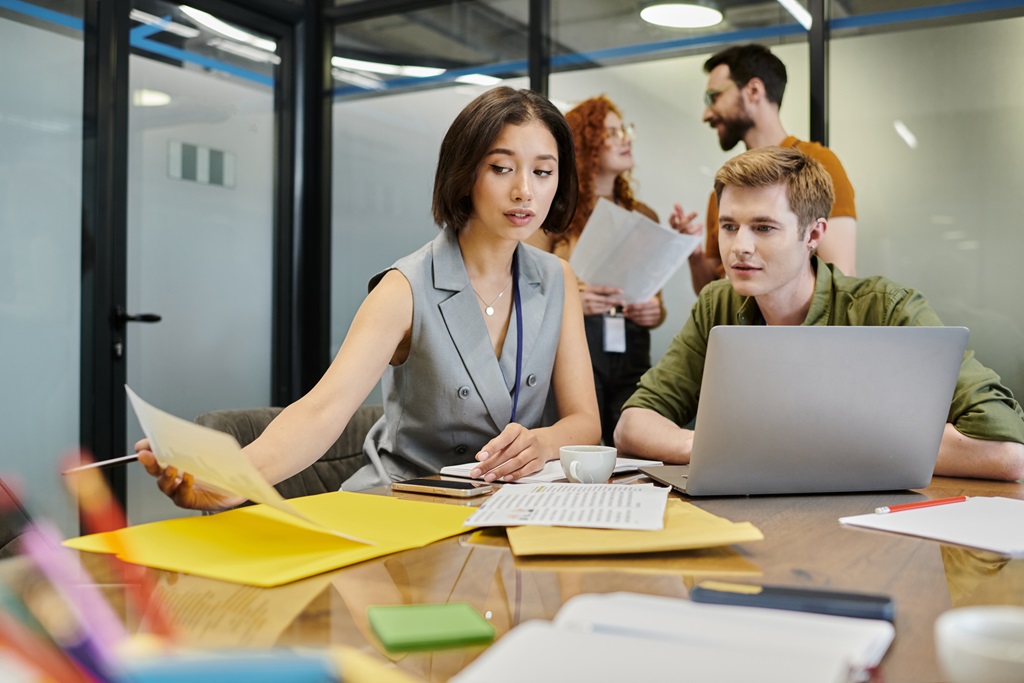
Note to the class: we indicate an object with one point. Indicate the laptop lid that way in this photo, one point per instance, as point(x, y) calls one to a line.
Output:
point(790, 410)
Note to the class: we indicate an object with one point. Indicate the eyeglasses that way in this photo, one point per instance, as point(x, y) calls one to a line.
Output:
point(626, 131)
point(711, 96)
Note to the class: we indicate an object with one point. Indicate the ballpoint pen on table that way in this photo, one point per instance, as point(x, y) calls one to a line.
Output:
point(919, 504)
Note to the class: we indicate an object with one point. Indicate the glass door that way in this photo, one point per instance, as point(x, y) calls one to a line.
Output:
point(201, 183)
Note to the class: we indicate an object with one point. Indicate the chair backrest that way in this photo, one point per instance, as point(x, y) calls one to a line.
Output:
point(326, 474)
point(13, 518)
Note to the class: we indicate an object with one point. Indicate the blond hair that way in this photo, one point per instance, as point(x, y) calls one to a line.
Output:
point(808, 185)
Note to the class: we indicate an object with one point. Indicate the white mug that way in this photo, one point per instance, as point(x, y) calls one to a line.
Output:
point(587, 464)
point(981, 644)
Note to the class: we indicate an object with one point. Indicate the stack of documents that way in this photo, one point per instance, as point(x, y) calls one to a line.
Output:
point(687, 527)
point(270, 544)
point(617, 636)
point(552, 471)
point(596, 506)
point(262, 546)
point(993, 524)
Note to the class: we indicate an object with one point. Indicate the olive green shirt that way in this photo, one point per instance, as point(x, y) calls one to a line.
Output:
point(982, 407)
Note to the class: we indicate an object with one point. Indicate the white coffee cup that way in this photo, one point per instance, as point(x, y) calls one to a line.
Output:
point(587, 464)
point(982, 644)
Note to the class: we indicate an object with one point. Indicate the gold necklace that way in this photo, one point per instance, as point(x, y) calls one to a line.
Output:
point(489, 307)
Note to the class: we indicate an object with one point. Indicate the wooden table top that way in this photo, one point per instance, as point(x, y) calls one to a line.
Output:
point(804, 545)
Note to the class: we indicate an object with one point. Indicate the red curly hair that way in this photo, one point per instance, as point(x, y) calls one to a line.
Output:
point(586, 120)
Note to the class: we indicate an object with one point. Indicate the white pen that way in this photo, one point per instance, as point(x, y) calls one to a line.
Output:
point(103, 464)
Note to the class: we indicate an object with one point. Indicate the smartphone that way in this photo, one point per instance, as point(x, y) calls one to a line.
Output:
point(443, 487)
point(838, 603)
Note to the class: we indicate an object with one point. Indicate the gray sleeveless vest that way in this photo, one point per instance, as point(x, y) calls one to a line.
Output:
point(452, 394)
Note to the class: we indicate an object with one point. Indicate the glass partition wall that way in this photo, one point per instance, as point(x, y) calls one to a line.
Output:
point(933, 216)
point(928, 124)
point(40, 250)
point(200, 221)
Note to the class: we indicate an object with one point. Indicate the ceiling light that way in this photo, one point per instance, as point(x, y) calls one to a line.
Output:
point(386, 69)
point(905, 133)
point(150, 98)
point(679, 15)
point(478, 79)
point(243, 50)
point(227, 30)
point(799, 12)
point(364, 81)
point(169, 26)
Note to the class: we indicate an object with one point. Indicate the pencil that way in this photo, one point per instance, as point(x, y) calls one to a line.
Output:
point(103, 464)
point(919, 504)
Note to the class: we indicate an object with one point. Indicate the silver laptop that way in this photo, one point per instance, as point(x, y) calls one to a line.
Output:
point(791, 410)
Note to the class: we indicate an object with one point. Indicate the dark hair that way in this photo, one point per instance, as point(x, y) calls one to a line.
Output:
point(752, 61)
point(470, 137)
point(808, 185)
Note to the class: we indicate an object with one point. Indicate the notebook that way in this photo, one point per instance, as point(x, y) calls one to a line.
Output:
point(791, 410)
point(628, 637)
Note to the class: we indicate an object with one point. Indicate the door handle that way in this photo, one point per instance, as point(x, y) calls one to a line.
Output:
point(122, 316)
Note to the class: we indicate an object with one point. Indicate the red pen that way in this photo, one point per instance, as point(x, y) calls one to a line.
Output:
point(919, 504)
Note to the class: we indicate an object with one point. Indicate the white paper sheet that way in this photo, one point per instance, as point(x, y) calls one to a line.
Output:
point(628, 250)
point(625, 636)
point(214, 458)
point(993, 524)
point(552, 471)
point(594, 506)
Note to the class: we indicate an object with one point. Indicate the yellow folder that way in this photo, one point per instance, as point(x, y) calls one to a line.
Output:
point(686, 527)
point(260, 546)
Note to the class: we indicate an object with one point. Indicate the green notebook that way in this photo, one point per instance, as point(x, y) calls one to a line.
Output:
point(429, 627)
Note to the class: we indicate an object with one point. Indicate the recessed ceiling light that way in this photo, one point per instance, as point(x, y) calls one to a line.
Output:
point(386, 69)
point(478, 79)
point(169, 26)
point(150, 98)
point(227, 30)
point(680, 15)
point(798, 11)
point(243, 50)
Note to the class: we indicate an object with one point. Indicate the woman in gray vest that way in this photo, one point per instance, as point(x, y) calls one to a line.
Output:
point(469, 332)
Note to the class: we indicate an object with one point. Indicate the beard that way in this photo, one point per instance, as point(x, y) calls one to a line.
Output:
point(733, 130)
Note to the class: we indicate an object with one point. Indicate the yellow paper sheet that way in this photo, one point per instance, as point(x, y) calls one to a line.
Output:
point(260, 546)
point(686, 527)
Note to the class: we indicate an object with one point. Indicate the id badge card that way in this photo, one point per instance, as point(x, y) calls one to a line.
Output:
point(614, 333)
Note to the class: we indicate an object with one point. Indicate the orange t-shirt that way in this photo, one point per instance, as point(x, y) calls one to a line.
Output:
point(843, 206)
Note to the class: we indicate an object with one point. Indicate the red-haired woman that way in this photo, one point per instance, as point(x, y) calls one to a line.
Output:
point(604, 161)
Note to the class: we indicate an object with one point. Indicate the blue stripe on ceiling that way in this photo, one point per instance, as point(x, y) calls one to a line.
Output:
point(44, 14)
point(138, 38)
point(744, 36)
point(140, 34)
point(145, 31)
point(185, 56)
point(955, 9)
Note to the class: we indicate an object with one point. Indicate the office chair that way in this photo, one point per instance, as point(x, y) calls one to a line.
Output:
point(13, 518)
point(326, 474)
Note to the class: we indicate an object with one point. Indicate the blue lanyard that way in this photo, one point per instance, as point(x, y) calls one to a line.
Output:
point(518, 303)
